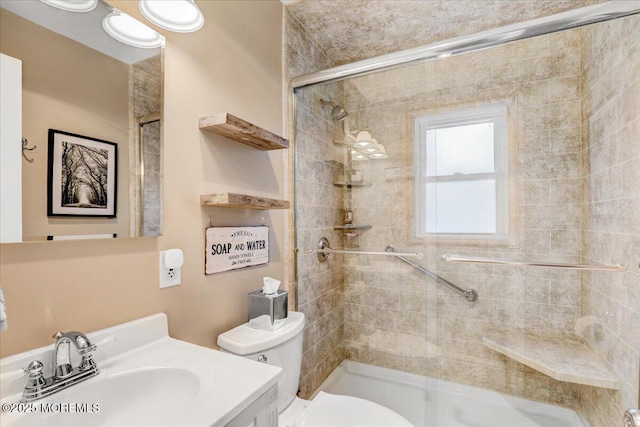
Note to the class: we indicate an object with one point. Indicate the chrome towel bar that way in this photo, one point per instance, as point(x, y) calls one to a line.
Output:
point(474, 260)
point(324, 250)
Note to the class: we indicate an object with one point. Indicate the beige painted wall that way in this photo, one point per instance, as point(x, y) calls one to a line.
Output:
point(234, 63)
point(57, 94)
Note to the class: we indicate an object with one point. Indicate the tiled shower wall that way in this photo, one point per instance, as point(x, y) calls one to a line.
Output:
point(577, 133)
point(395, 316)
point(611, 137)
point(318, 207)
point(147, 88)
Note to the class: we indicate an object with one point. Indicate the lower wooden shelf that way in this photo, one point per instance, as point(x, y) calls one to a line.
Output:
point(563, 359)
point(245, 201)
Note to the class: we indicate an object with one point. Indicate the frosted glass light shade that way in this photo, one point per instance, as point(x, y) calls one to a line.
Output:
point(371, 149)
point(363, 140)
point(128, 30)
point(73, 5)
point(380, 153)
point(182, 16)
point(357, 156)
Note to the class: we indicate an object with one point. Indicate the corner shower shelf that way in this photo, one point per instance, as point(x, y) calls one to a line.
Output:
point(234, 200)
point(352, 227)
point(241, 131)
point(352, 230)
point(349, 184)
point(566, 360)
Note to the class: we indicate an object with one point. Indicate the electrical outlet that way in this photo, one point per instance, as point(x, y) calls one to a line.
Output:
point(168, 276)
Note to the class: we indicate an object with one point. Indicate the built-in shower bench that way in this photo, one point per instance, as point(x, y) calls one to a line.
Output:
point(563, 359)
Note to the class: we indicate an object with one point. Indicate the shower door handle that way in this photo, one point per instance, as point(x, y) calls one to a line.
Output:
point(632, 418)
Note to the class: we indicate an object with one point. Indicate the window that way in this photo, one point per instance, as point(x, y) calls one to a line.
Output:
point(461, 173)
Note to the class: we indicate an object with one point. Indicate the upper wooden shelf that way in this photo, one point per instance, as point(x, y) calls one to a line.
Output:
point(242, 131)
point(234, 200)
point(564, 360)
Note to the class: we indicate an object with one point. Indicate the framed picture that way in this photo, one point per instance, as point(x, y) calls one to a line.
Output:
point(82, 176)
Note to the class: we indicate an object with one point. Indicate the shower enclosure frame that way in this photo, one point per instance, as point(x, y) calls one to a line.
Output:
point(474, 42)
point(456, 46)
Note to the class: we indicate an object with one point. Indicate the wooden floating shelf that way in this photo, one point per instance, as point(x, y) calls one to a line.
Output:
point(234, 200)
point(352, 184)
point(239, 130)
point(564, 359)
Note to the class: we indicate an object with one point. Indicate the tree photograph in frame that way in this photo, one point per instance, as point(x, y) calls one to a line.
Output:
point(82, 176)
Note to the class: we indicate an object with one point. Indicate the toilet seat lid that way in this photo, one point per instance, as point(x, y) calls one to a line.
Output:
point(346, 411)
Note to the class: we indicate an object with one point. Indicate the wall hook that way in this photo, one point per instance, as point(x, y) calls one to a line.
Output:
point(25, 141)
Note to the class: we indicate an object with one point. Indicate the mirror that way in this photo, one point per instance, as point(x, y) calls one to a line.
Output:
point(79, 80)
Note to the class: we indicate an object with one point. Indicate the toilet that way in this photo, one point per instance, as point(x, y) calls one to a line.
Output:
point(283, 348)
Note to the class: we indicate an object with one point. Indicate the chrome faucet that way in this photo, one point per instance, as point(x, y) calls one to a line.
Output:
point(62, 353)
point(64, 375)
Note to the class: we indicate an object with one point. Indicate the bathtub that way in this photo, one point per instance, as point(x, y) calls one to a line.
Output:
point(427, 402)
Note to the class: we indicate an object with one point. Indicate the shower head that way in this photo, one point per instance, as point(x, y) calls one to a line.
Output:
point(337, 113)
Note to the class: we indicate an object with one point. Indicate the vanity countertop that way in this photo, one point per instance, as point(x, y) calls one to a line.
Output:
point(146, 378)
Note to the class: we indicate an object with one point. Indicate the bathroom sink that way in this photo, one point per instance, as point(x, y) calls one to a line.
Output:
point(158, 382)
point(153, 396)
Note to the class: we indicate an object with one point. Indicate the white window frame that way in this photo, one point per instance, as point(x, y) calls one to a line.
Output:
point(497, 113)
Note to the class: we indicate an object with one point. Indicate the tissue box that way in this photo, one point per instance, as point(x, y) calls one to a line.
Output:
point(268, 312)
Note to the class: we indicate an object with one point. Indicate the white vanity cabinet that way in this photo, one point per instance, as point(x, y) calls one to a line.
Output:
point(263, 412)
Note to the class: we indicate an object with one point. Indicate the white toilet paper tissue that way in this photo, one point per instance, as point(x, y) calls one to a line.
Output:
point(270, 285)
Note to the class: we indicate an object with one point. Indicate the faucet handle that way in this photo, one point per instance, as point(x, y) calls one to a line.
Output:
point(57, 335)
point(34, 369)
point(84, 345)
point(36, 380)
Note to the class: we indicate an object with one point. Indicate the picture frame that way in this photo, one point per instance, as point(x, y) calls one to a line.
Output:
point(82, 176)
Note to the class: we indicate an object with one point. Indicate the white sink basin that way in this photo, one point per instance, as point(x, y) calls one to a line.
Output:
point(146, 397)
point(160, 382)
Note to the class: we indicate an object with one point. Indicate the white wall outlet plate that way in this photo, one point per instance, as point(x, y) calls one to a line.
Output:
point(168, 276)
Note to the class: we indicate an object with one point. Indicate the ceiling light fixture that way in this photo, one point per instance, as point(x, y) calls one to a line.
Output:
point(128, 30)
point(379, 155)
point(73, 5)
point(357, 156)
point(363, 140)
point(182, 16)
point(375, 148)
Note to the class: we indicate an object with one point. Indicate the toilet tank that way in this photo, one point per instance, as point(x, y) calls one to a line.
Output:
point(282, 348)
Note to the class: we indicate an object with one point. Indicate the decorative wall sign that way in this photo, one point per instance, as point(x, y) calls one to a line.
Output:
point(231, 248)
point(82, 176)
